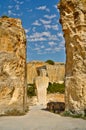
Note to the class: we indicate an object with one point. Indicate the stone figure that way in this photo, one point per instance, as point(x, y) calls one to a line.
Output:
point(41, 83)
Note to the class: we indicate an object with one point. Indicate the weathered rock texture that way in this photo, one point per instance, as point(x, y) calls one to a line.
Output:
point(55, 72)
point(41, 83)
point(12, 64)
point(73, 20)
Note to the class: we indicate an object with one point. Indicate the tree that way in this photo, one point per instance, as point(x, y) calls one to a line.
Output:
point(50, 62)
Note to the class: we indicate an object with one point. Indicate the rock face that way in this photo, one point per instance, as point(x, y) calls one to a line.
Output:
point(41, 83)
point(73, 20)
point(55, 72)
point(12, 64)
point(32, 71)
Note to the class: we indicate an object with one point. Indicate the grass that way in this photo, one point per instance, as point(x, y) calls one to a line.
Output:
point(13, 112)
point(70, 114)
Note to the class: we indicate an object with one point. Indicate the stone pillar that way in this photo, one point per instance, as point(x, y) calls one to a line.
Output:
point(41, 86)
point(12, 65)
point(73, 20)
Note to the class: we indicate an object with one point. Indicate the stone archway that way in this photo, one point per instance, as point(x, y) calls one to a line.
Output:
point(73, 20)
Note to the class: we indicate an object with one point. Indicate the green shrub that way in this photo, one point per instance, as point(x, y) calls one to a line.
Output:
point(74, 115)
point(4, 16)
point(31, 91)
point(50, 62)
point(56, 87)
point(52, 88)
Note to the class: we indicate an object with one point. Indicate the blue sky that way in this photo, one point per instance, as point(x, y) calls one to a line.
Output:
point(40, 19)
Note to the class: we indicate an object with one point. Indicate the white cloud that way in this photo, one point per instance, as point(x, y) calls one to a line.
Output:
point(30, 10)
point(53, 37)
point(26, 30)
point(21, 2)
point(43, 36)
point(39, 36)
point(57, 49)
point(52, 43)
point(10, 13)
point(50, 16)
point(45, 21)
point(43, 8)
point(36, 23)
point(18, 2)
point(37, 39)
point(10, 7)
point(47, 34)
point(62, 44)
point(34, 29)
point(54, 27)
point(60, 34)
point(17, 7)
point(48, 49)
point(55, 6)
point(42, 47)
point(36, 49)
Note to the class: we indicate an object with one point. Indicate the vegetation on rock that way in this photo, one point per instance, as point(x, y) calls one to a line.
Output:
point(52, 88)
point(56, 87)
point(50, 62)
point(31, 90)
point(4, 16)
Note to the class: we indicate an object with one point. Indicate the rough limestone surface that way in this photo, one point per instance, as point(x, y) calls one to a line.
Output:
point(41, 83)
point(55, 72)
point(73, 20)
point(12, 64)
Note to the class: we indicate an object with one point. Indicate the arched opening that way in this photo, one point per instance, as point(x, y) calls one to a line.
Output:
point(45, 46)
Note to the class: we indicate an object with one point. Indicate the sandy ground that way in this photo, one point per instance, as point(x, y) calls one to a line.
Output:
point(37, 119)
point(50, 98)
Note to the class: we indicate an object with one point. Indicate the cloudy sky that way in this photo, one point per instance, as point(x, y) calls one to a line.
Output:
point(40, 19)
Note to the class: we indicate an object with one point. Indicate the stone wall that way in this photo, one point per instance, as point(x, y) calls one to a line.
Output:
point(12, 64)
point(54, 72)
point(73, 20)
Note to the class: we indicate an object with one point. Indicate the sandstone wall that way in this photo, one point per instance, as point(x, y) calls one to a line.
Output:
point(12, 64)
point(73, 20)
point(54, 72)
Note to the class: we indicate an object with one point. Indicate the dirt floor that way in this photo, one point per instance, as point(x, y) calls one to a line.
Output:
point(39, 119)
